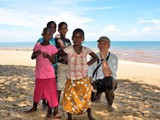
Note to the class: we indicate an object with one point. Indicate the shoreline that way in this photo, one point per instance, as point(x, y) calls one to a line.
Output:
point(138, 51)
point(4, 52)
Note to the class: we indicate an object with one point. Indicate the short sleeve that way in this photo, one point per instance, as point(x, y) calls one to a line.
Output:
point(35, 47)
point(55, 50)
point(66, 50)
point(40, 40)
point(88, 50)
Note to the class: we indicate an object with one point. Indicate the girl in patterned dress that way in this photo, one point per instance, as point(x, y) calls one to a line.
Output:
point(77, 92)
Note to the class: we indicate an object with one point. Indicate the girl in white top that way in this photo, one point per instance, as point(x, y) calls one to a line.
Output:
point(77, 93)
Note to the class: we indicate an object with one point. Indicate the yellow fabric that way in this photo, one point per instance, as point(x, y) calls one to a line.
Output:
point(77, 96)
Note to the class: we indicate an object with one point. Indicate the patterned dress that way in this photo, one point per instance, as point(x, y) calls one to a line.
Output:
point(77, 92)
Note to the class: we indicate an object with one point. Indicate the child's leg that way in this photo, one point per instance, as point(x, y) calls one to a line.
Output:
point(49, 111)
point(34, 108)
point(55, 113)
point(44, 103)
point(59, 95)
point(69, 116)
point(90, 114)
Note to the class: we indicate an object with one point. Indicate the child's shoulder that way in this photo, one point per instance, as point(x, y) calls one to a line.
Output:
point(69, 47)
point(40, 40)
point(86, 48)
point(52, 46)
point(38, 43)
point(66, 40)
point(114, 56)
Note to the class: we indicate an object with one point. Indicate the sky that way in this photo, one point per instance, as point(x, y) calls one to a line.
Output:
point(120, 20)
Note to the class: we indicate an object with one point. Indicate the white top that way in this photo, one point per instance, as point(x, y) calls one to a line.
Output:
point(112, 62)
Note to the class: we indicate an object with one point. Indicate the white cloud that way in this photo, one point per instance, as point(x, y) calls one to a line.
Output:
point(150, 21)
point(35, 22)
point(109, 29)
point(28, 14)
point(15, 18)
point(97, 8)
point(144, 33)
point(19, 36)
point(146, 30)
point(133, 33)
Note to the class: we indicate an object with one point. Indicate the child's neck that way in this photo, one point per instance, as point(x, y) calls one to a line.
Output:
point(77, 48)
point(45, 43)
point(63, 36)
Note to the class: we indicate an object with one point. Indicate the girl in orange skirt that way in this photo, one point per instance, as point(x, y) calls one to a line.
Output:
point(77, 92)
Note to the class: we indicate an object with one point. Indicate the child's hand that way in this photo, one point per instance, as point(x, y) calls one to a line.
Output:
point(45, 55)
point(58, 36)
point(38, 52)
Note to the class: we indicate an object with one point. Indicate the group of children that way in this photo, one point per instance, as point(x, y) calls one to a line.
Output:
point(70, 74)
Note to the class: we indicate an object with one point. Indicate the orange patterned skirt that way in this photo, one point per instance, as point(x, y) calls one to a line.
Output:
point(77, 96)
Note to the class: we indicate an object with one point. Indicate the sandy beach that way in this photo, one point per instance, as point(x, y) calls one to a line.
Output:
point(136, 98)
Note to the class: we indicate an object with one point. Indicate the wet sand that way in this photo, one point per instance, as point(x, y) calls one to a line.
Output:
point(136, 98)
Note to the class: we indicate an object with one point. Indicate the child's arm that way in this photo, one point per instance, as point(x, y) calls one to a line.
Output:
point(94, 58)
point(35, 54)
point(60, 42)
point(50, 58)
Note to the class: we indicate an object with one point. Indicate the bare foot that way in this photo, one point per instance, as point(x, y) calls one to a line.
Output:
point(97, 101)
point(49, 113)
point(110, 108)
point(33, 109)
point(56, 116)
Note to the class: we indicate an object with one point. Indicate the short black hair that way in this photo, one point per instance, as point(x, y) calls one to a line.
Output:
point(61, 23)
point(45, 30)
point(51, 22)
point(78, 30)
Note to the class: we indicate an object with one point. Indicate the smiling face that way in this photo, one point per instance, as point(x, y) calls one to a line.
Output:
point(52, 28)
point(46, 34)
point(103, 45)
point(78, 38)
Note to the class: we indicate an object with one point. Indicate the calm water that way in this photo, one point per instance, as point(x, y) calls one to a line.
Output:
point(140, 51)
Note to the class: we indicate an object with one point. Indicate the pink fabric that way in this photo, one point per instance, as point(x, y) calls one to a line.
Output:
point(44, 68)
point(46, 89)
point(77, 62)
